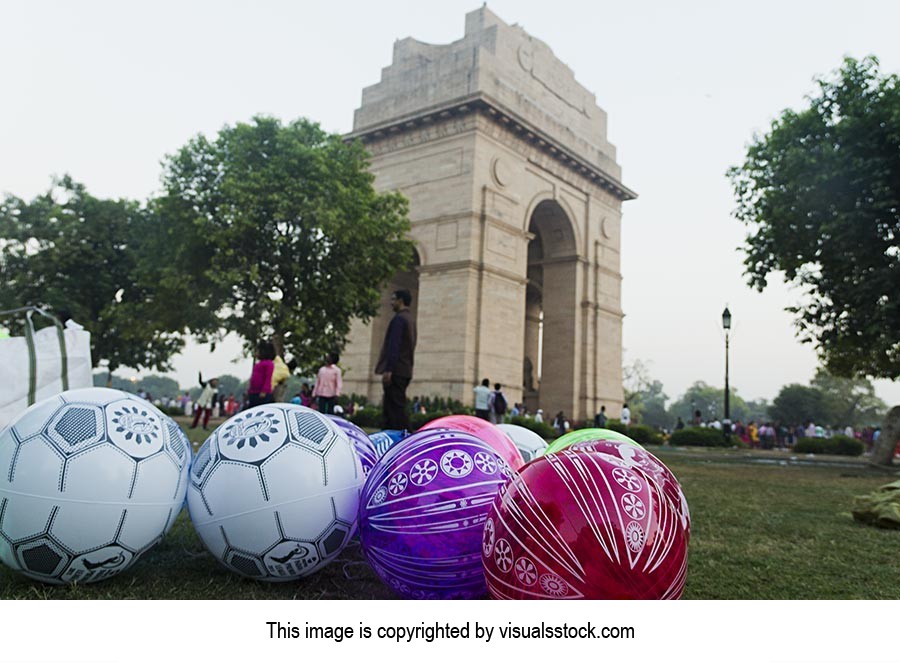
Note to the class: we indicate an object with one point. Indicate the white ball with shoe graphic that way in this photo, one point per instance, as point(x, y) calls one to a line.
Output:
point(274, 492)
point(90, 479)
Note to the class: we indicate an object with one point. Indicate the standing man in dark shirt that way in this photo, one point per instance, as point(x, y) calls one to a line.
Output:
point(395, 363)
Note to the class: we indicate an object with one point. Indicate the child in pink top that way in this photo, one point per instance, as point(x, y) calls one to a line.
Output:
point(328, 385)
point(260, 388)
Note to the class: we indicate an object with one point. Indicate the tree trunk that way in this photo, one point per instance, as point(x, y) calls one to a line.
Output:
point(883, 453)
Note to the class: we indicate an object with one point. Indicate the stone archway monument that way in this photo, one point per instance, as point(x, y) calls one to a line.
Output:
point(515, 205)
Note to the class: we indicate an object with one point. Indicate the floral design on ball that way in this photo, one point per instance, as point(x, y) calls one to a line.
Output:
point(526, 572)
point(486, 462)
point(380, 495)
point(503, 555)
point(626, 479)
point(423, 472)
point(255, 428)
point(457, 464)
point(487, 543)
point(398, 484)
point(634, 536)
point(633, 506)
point(554, 585)
point(136, 424)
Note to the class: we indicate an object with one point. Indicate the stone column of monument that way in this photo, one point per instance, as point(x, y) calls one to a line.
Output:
point(504, 158)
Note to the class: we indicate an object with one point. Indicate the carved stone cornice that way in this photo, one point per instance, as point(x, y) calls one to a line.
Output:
point(438, 117)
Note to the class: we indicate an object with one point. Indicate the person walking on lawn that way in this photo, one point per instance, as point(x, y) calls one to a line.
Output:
point(207, 401)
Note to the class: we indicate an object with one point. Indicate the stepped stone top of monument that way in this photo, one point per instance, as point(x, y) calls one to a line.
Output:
point(497, 64)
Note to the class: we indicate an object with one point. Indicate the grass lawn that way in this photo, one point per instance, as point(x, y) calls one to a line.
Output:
point(763, 528)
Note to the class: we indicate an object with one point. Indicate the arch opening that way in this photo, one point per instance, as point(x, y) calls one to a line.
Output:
point(550, 299)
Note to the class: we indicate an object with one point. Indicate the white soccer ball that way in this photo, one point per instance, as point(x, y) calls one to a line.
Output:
point(274, 492)
point(530, 444)
point(90, 479)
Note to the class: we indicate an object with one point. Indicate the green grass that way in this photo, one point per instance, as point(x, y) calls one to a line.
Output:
point(760, 531)
point(784, 532)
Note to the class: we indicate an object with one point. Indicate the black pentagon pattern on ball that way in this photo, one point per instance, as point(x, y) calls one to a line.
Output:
point(43, 557)
point(175, 442)
point(310, 432)
point(311, 428)
point(76, 427)
point(333, 541)
point(245, 564)
point(201, 463)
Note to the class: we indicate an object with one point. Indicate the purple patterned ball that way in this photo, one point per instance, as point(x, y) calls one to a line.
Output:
point(363, 445)
point(422, 514)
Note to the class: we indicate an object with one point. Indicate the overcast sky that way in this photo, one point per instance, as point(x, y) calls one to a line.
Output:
point(104, 90)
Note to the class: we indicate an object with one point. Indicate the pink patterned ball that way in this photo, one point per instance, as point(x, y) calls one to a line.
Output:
point(652, 466)
point(580, 524)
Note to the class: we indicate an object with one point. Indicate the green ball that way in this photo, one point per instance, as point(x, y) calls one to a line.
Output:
point(589, 434)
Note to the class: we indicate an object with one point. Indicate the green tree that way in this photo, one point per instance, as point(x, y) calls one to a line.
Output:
point(757, 410)
point(820, 193)
point(71, 252)
point(116, 382)
point(286, 236)
point(848, 401)
point(797, 404)
point(159, 386)
point(645, 396)
point(652, 402)
point(711, 403)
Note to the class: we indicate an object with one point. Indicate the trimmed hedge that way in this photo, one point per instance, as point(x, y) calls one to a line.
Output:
point(368, 417)
point(643, 434)
point(697, 436)
point(543, 430)
point(418, 420)
point(616, 425)
point(836, 445)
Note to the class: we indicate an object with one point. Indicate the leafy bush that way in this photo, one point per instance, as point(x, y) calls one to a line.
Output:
point(616, 425)
point(346, 401)
point(172, 411)
point(444, 405)
point(368, 417)
point(418, 420)
point(837, 445)
point(541, 429)
point(643, 434)
point(697, 436)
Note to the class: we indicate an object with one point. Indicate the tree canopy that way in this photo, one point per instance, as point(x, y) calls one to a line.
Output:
point(820, 193)
point(710, 400)
point(830, 401)
point(282, 232)
point(798, 404)
point(71, 252)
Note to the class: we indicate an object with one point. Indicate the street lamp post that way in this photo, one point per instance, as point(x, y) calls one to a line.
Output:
point(726, 324)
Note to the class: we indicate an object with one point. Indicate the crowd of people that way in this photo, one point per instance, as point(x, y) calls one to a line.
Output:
point(268, 383)
point(768, 435)
point(270, 373)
